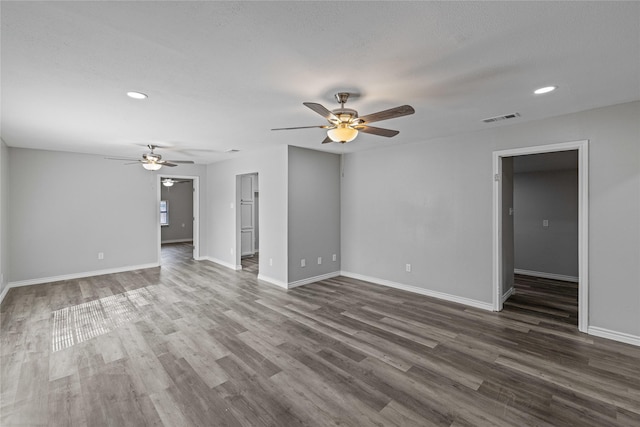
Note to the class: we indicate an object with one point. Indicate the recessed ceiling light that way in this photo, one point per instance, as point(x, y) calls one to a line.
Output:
point(545, 89)
point(137, 95)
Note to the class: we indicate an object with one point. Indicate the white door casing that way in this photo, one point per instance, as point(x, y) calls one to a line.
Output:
point(196, 212)
point(583, 221)
point(247, 217)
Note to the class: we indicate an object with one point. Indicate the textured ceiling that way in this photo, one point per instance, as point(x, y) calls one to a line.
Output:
point(220, 75)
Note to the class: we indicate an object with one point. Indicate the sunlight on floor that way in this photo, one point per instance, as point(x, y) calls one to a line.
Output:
point(82, 322)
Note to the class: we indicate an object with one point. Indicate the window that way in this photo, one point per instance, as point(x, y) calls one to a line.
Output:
point(164, 212)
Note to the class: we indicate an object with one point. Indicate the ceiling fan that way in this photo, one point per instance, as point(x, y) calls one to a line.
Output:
point(344, 123)
point(152, 161)
point(168, 182)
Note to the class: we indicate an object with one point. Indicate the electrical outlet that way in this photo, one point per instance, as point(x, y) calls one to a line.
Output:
point(303, 262)
point(100, 255)
point(231, 251)
point(271, 262)
point(319, 260)
point(335, 257)
point(545, 223)
point(407, 268)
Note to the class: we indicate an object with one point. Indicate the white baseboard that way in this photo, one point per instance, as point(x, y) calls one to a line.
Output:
point(614, 335)
point(507, 294)
point(73, 276)
point(222, 263)
point(4, 292)
point(176, 241)
point(273, 281)
point(435, 294)
point(313, 279)
point(547, 275)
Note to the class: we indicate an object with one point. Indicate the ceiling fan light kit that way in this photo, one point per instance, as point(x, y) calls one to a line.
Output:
point(152, 161)
point(342, 133)
point(151, 166)
point(169, 182)
point(345, 124)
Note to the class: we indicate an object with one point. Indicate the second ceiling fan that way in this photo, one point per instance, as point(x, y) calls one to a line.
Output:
point(344, 123)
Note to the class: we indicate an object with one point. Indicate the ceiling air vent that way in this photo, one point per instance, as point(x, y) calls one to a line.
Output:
point(498, 118)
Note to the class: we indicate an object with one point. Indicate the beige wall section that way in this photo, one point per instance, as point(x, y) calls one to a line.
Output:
point(64, 208)
point(430, 204)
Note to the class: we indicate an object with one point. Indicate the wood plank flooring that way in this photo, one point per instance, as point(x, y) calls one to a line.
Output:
point(196, 344)
point(250, 264)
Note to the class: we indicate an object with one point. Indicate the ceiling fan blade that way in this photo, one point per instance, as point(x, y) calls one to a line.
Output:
point(302, 127)
point(123, 159)
point(166, 163)
point(378, 131)
point(327, 140)
point(184, 162)
point(321, 110)
point(392, 113)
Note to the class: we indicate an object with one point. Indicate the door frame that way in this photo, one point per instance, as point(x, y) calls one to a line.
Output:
point(582, 147)
point(196, 212)
point(238, 225)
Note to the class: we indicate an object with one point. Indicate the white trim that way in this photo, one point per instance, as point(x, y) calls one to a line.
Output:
point(82, 275)
point(176, 241)
point(511, 291)
point(4, 292)
point(583, 221)
point(313, 279)
point(273, 281)
point(196, 212)
point(222, 263)
point(435, 294)
point(547, 275)
point(613, 335)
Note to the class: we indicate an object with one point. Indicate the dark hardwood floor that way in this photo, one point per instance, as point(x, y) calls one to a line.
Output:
point(196, 344)
point(551, 299)
point(250, 264)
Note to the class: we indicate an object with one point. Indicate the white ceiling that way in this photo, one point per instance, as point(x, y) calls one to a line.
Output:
point(220, 75)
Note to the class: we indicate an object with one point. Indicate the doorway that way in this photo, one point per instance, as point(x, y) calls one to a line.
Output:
point(503, 256)
point(178, 216)
point(247, 223)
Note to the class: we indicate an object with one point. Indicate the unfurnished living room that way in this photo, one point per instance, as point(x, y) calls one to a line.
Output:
point(319, 213)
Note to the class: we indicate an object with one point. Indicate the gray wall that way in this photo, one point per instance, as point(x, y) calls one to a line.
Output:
point(180, 198)
point(430, 204)
point(552, 196)
point(4, 195)
point(271, 166)
point(64, 208)
point(314, 213)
